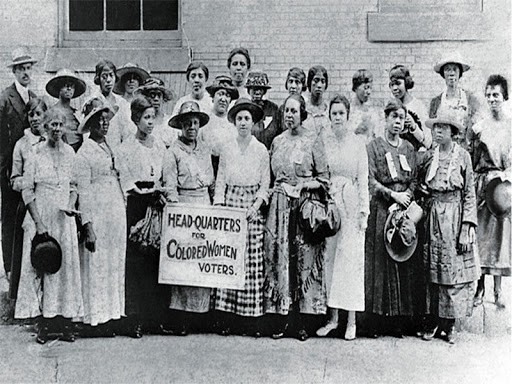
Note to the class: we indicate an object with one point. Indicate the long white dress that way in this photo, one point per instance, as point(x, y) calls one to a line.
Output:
point(102, 204)
point(48, 183)
point(348, 166)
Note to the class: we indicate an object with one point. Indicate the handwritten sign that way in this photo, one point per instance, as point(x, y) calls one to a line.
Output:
point(203, 246)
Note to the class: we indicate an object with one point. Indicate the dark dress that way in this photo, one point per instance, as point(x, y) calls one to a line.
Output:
point(269, 127)
point(388, 284)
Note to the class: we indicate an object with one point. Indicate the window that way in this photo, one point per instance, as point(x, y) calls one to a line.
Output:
point(109, 23)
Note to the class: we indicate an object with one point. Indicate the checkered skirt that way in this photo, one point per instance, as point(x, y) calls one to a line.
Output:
point(249, 301)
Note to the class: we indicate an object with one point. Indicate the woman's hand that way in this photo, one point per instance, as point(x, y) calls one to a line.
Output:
point(90, 238)
point(402, 198)
point(252, 214)
point(362, 221)
point(136, 190)
point(311, 184)
point(466, 237)
point(41, 228)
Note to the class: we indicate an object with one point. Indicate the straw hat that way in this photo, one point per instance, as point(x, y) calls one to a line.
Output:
point(62, 77)
point(126, 69)
point(90, 109)
point(257, 80)
point(451, 57)
point(244, 104)
point(154, 83)
point(223, 82)
point(187, 110)
point(21, 55)
point(445, 118)
point(400, 238)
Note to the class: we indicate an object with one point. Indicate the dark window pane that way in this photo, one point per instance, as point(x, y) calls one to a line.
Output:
point(160, 15)
point(123, 15)
point(85, 15)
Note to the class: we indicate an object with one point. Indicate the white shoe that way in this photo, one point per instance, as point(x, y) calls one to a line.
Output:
point(350, 333)
point(324, 331)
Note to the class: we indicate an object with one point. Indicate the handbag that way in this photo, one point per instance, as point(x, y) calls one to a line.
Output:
point(319, 217)
point(146, 233)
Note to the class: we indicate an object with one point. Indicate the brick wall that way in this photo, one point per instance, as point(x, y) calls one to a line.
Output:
point(286, 33)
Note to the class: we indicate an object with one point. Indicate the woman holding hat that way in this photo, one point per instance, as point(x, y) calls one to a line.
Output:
point(102, 206)
point(266, 129)
point(187, 175)
point(242, 182)
point(492, 162)
point(455, 100)
point(392, 179)
point(49, 192)
point(65, 85)
point(294, 266)
point(140, 169)
point(344, 256)
point(415, 131)
point(451, 222)
point(316, 104)
point(197, 75)
point(155, 91)
point(129, 78)
point(23, 148)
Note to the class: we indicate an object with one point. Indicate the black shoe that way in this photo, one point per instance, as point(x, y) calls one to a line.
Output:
point(397, 332)
point(183, 331)
point(302, 335)
point(68, 334)
point(136, 331)
point(42, 335)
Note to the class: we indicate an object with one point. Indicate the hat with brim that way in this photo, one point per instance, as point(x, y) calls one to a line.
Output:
point(400, 236)
point(46, 254)
point(244, 104)
point(188, 110)
point(155, 84)
point(498, 197)
point(452, 57)
point(21, 55)
point(62, 77)
point(233, 92)
point(126, 69)
point(92, 108)
point(444, 120)
point(257, 80)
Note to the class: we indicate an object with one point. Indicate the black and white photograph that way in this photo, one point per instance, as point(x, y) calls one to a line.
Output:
point(255, 191)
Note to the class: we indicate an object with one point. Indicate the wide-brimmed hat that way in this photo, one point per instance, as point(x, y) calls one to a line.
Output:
point(187, 110)
point(244, 104)
point(154, 83)
point(46, 254)
point(62, 77)
point(451, 57)
point(498, 197)
point(445, 118)
point(400, 236)
point(223, 82)
point(257, 80)
point(91, 108)
point(126, 69)
point(21, 55)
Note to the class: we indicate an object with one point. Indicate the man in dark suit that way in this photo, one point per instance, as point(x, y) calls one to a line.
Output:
point(13, 120)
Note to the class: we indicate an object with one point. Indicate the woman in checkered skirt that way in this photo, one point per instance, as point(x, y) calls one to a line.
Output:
point(242, 182)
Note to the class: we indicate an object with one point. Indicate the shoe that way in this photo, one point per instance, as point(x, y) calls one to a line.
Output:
point(183, 331)
point(350, 332)
point(136, 331)
point(302, 335)
point(451, 336)
point(326, 329)
point(429, 333)
point(397, 332)
point(479, 297)
point(68, 334)
point(42, 335)
point(498, 300)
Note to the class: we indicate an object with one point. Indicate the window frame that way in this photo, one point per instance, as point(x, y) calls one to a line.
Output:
point(107, 39)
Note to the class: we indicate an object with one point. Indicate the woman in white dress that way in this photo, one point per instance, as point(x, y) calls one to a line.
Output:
point(50, 196)
point(102, 205)
point(348, 167)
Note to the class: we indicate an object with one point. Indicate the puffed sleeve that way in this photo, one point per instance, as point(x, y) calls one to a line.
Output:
point(170, 175)
point(321, 167)
point(362, 180)
point(29, 185)
point(220, 183)
point(264, 172)
point(17, 168)
point(469, 214)
point(82, 174)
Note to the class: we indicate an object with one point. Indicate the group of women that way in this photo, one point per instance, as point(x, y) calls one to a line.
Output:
point(132, 159)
